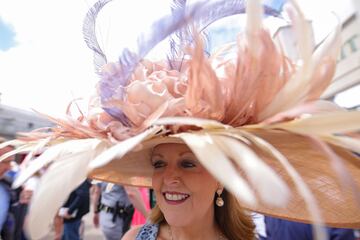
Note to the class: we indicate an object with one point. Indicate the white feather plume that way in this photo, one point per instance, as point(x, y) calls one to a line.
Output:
point(66, 173)
point(216, 162)
point(263, 178)
point(120, 149)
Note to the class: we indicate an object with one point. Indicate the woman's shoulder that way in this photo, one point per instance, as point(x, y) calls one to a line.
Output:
point(147, 231)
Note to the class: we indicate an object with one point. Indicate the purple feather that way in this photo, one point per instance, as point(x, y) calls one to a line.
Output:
point(90, 34)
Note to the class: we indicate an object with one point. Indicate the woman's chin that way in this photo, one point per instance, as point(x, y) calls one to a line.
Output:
point(176, 220)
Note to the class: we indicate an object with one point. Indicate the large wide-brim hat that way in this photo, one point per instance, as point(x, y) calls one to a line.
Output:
point(256, 125)
point(336, 198)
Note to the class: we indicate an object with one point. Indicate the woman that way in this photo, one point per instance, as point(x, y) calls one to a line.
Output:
point(191, 204)
point(240, 114)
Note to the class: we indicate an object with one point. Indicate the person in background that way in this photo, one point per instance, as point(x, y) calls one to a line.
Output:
point(5, 185)
point(25, 196)
point(76, 206)
point(20, 208)
point(58, 226)
point(260, 228)
point(357, 234)
point(288, 230)
point(114, 208)
point(19, 198)
point(138, 217)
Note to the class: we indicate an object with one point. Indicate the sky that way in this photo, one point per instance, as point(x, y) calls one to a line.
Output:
point(50, 63)
point(49, 55)
point(44, 62)
point(7, 36)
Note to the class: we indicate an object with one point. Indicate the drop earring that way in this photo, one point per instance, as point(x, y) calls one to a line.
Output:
point(219, 201)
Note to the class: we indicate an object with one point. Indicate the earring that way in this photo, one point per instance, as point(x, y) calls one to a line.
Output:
point(219, 201)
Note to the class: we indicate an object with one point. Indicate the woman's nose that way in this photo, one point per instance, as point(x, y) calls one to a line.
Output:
point(172, 176)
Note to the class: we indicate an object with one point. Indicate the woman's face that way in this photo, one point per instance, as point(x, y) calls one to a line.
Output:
point(184, 189)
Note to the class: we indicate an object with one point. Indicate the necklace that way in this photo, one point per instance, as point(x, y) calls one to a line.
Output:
point(221, 236)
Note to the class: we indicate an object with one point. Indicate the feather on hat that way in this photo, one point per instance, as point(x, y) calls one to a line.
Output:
point(242, 116)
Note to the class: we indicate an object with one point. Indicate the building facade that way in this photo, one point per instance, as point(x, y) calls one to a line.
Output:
point(14, 120)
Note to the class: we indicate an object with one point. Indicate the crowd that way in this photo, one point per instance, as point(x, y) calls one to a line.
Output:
point(116, 207)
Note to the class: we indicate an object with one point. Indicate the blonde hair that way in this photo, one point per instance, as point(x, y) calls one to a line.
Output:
point(231, 218)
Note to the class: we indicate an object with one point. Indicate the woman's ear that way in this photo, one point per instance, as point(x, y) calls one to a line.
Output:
point(219, 189)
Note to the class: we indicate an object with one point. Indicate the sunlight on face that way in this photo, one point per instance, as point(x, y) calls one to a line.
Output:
point(184, 189)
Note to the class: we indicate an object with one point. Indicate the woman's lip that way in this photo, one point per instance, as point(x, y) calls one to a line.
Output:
point(173, 192)
point(175, 202)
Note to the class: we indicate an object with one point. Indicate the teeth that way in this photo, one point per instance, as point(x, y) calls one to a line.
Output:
point(175, 197)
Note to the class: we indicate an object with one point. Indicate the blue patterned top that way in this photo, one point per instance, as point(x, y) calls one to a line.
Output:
point(148, 232)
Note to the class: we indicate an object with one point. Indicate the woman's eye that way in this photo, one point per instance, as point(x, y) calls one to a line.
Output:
point(188, 164)
point(158, 164)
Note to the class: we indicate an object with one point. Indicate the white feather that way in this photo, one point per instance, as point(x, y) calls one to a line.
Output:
point(322, 124)
point(14, 142)
point(297, 87)
point(302, 188)
point(203, 123)
point(21, 149)
point(63, 176)
point(330, 46)
point(37, 149)
point(253, 26)
point(303, 31)
point(216, 162)
point(266, 182)
point(48, 156)
point(349, 143)
point(120, 149)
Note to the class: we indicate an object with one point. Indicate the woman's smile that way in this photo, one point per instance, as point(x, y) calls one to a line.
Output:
point(174, 198)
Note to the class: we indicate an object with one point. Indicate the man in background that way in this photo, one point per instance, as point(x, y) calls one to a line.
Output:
point(76, 206)
point(114, 208)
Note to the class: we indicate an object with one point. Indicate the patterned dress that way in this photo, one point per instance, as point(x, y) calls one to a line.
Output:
point(148, 232)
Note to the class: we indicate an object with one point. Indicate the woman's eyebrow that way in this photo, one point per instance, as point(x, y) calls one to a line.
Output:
point(157, 155)
point(186, 152)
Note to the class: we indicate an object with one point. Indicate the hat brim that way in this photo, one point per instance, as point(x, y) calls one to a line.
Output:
point(337, 202)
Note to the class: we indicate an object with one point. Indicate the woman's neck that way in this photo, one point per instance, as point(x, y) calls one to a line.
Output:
point(198, 231)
